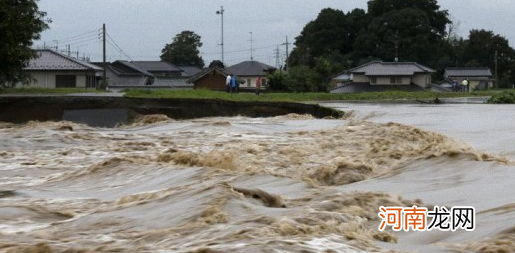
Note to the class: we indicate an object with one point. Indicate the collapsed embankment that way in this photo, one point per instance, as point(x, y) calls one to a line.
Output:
point(123, 110)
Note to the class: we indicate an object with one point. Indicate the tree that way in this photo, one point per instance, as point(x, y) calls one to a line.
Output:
point(184, 50)
point(480, 51)
point(331, 35)
point(216, 64)
point(20, 24)
point(279, 81)
point(410, 30)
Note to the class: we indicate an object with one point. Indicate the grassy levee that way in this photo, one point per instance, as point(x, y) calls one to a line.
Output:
point(268, 96)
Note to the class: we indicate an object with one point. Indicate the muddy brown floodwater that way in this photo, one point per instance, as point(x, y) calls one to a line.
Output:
point(235, 184)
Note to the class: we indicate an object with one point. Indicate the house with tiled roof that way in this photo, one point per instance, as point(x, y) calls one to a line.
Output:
point(249, 71)
point(166, 75)
point(51, 69)
point(479, 78)
point(211, 78)
point(124, 74)
point(381, 76)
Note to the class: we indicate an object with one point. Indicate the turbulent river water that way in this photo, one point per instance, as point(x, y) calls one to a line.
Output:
point(283, 184)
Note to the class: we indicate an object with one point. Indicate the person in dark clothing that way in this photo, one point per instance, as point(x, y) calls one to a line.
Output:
point(234, 82)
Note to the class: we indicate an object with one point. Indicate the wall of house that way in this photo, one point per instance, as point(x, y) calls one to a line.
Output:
point(46, 79)
point(211, 81)
point(250, 82)
point(386, 80)
point(359, 78)
point(475, 83)
point(116, 80)
point(422, 80)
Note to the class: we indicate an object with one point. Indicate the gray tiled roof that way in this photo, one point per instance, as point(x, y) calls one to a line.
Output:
point(190, 70)
point(157, 66)
point(468, 72)
point(51, 60)
point(377, 68)
point(250, 68)
point(201, 74)
point(134, 67)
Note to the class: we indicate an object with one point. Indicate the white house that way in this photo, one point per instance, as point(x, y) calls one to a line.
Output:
point(249, 71)
point(379, 76)
point(51, 69)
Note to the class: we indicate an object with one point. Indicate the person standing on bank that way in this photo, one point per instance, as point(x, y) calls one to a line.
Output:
point(228, 83)
point(233, 84)
point(465, 84)
point(258, 85)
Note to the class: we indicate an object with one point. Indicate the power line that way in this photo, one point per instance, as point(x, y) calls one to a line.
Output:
point(89, 34)
point(242, 50)
point(81, 41)
point(262, 56)
point(110, 39)
point(86, 43)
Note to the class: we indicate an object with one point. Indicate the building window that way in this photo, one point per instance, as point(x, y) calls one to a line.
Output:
point(373, 79)
point(248, 82)
point(395, 80)
point(91, 82)
point(65, 81)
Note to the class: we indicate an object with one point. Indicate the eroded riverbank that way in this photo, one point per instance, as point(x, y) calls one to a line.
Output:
point(111, 111)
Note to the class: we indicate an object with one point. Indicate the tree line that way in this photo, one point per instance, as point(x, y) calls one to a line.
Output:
point(414, 31)
point(409, 31)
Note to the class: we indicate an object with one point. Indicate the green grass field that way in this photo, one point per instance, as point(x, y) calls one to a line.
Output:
point(297, 97)
point(266, 96)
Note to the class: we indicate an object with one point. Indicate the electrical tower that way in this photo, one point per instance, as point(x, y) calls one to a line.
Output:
point(277, 57)
point(286, 44)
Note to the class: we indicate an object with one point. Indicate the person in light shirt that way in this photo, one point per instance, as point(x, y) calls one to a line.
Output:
point(465, 84)
point(228, 83)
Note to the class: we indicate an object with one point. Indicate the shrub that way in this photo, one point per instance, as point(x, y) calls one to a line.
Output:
point(506, 97)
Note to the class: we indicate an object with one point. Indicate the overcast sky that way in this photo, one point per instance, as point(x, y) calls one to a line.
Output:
point(141, 28)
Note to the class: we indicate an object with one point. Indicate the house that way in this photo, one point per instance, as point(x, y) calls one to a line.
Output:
point(190, 71)
point(211, 78)
point(249, 71)
point(51, 69)
point(166, 75)
point(381, 76)
point(124, 74)
point(479, 78)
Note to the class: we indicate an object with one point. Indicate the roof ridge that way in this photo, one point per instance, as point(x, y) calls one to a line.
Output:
point(84, 64)
point(134, 67)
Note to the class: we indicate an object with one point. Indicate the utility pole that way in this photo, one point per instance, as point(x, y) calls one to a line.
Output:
point(496, 73)
point(104, 79)
point(221, 13)
point(251, 49)
point(286, 44)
